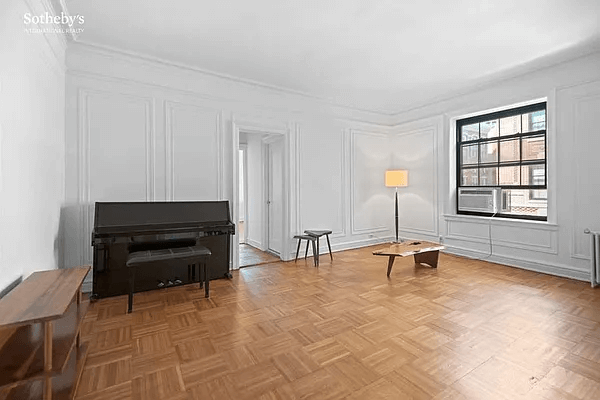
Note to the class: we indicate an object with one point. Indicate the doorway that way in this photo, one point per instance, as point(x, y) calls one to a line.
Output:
point(260, 198)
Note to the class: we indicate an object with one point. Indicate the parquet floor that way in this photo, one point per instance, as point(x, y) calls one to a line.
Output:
point(252, 256)
point(468, 330)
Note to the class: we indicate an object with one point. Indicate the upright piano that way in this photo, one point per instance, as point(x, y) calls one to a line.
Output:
point(122, 228)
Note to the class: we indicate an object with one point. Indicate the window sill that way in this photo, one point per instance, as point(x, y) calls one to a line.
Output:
point(517, 223)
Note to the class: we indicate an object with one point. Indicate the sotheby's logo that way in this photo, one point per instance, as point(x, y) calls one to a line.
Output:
point(48, 23)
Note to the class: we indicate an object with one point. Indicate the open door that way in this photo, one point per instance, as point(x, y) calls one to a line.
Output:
point(275, 196)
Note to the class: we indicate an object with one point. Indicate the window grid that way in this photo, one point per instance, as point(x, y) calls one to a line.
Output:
point(531, 164)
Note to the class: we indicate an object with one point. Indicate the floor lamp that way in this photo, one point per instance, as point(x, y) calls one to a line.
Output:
point(396, 178)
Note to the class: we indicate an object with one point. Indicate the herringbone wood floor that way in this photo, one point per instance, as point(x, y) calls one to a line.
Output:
point(468, 330)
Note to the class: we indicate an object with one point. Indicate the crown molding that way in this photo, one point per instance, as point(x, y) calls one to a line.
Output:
point(563, 56)
point(107, 49)
point(389, 119)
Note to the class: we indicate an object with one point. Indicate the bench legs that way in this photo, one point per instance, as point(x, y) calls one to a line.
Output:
point(131, 285)
point(430, 258)
point(201, 265)
point(204, 267)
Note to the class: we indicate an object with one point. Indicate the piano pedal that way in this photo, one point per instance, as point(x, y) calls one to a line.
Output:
point(169, 283)
point(178, 281)
point(160, 284)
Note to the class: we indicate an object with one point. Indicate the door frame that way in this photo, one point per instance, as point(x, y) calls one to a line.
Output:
point(267, 141)
point(244, 147)
point(289, 173)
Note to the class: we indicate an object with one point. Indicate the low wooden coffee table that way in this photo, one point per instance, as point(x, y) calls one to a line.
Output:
point(424, 252)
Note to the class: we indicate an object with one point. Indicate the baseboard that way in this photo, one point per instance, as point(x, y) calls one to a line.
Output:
point(356, 244)
point(11, 286)
point(530, 265)
point(86, 286)
point(254, 243)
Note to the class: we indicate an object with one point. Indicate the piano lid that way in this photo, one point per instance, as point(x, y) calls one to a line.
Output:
point(135, 216)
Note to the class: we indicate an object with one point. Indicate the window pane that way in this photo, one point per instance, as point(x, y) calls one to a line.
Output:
point(510, 125)
point(534, 174)
point(510, 175)
point(470, 132)
point(469, 177)
point(534, 121)
point(534, 148)
point(469, 154)
point(488, 176)
point(488, 152)
point(510, 150)
point(524, 202)
point(489, 129)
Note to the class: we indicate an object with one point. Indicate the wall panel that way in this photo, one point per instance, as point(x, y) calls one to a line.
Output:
point(370, 199)
point(192, 152)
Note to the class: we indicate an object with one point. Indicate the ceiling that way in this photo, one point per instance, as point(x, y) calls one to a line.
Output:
point(386, 56)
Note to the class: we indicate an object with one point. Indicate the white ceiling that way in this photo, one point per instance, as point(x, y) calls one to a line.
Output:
point(381, 55)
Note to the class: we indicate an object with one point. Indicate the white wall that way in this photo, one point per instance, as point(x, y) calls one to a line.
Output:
point(32, 87)
point(425, 145)
point(127, 114)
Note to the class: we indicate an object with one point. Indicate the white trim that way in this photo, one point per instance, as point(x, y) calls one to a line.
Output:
point(114, 51)
point(169, 107)
point(56, 42)
point(433, 129)
point(257, 127)
point(522, 263)
point(353, 229)
point(342, 246)
point(576, 165)
point(83, 161)
point(550, 248)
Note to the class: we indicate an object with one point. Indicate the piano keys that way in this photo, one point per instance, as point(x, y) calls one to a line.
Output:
point(124, 227)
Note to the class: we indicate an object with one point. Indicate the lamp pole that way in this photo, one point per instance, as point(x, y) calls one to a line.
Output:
point(396, 214)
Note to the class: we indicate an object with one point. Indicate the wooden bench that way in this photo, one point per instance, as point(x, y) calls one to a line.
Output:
point(42, 356)
point(194, 255)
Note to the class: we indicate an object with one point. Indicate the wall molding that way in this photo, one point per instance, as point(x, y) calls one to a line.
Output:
point(353, 229)
point(342, 204)
point(169, 107)
point(346, 112)
point(350, 245)
point(552, 230)
point(84, 155)
point(576, 230)
point(434, 182)
point(56, 43)
point(523, 263)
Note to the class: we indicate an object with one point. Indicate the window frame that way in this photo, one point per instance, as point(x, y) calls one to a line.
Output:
point(510, 112)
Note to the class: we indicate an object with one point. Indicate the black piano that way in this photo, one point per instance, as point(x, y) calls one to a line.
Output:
point(122, 228)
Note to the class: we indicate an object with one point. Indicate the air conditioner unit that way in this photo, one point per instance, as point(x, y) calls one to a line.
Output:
point(486, 200)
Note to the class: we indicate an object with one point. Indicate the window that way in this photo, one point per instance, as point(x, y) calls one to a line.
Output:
point(506, 150)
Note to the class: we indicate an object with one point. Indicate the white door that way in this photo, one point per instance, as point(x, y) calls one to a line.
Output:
point(275, 196)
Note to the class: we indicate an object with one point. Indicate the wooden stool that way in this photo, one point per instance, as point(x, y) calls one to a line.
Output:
point(197, 255)
point(317, 234)
point(308, 239)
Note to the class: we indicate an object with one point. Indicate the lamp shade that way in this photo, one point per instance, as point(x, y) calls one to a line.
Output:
point(396, 178)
